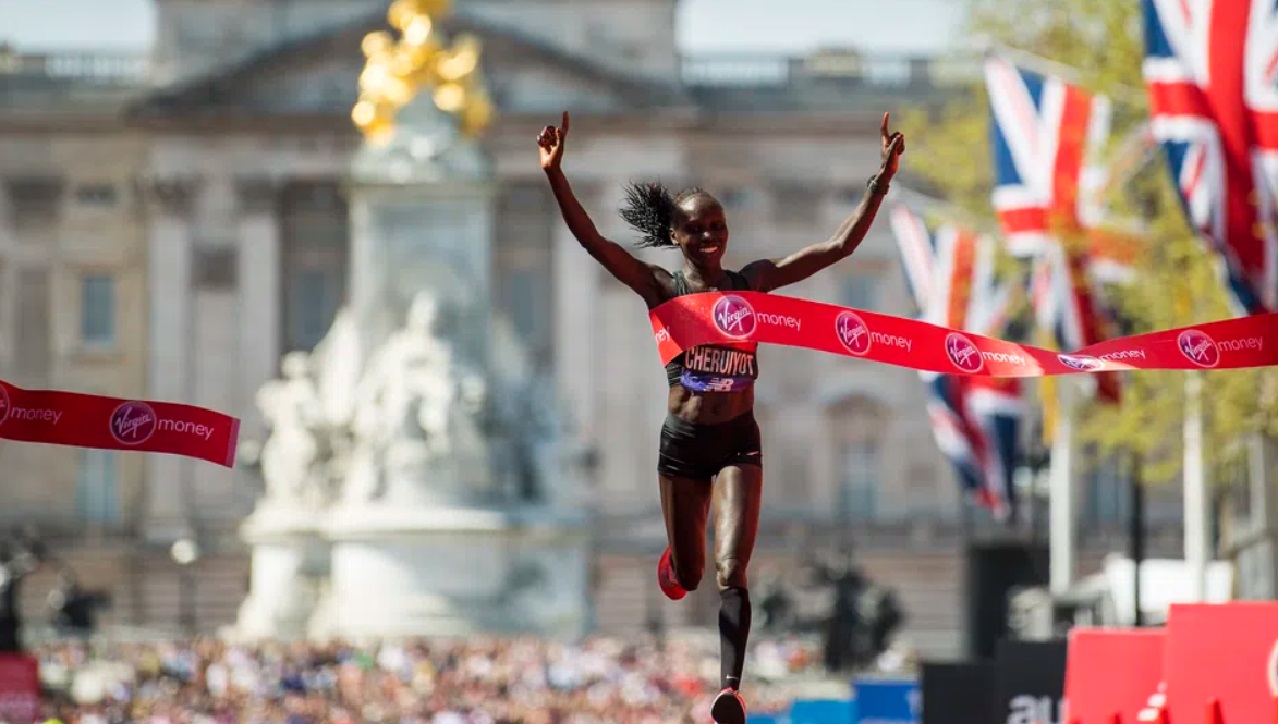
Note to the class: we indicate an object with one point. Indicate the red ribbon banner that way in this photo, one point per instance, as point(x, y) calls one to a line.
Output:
point(728, 318)
point(108, 423)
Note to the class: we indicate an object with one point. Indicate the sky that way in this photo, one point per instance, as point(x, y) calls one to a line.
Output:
point(898, 26)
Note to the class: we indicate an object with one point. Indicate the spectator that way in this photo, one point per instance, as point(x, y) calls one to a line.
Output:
point(476, 681)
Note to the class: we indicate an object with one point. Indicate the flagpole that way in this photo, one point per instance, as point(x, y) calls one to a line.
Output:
point(1264, 515)
point(1060, 493)
point(1197, 511)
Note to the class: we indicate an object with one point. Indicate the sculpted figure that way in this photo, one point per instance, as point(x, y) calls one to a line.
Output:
point(292, 454)
point(415, 410)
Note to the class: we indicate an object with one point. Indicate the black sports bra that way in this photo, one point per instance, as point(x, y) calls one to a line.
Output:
point(714, 368)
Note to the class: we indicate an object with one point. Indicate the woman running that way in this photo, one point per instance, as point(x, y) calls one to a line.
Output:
point(710, 434)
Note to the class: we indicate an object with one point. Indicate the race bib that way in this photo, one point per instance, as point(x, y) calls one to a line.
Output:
point(719, 369)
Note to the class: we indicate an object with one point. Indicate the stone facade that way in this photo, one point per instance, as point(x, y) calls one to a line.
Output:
point(74, 301)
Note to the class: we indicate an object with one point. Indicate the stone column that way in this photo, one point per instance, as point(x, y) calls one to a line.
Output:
point(28, 247)
point(169, 204)
point(259, 272)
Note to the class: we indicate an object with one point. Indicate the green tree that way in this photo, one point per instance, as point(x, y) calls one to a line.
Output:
point(1100, 46)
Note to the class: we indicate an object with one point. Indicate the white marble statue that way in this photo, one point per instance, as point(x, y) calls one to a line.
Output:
point(337, 368)
point(293, 454)
point(415, 408)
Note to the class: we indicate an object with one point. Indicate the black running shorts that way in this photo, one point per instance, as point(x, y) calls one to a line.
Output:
point(688, 450)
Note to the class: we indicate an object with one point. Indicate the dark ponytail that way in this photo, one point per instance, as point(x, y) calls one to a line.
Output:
point(650, 209)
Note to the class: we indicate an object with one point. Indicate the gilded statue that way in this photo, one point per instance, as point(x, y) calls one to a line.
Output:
point(397, 69)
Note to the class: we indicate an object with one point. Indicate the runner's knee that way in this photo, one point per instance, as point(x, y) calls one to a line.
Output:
point(731, 573)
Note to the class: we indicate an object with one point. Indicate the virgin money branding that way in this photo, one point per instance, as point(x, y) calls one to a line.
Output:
point(734, 317)
point(1198, 348)
point(1125, 354)
point(16, 413)
point(962, 353)
point(1080, 362)
point(133, 423)
point(663, 335)
point(779, 320)
point(853, 333)
point(1241, 345)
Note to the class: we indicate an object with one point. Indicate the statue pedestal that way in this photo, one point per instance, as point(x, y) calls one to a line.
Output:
point(290, 564)
point(454, 572)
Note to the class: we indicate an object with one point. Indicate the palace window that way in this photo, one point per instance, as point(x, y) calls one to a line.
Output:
point(97, 495)
point(97, 310)
point(859, 289)
point(315, 254)
point(857, 424)
point(859, 480)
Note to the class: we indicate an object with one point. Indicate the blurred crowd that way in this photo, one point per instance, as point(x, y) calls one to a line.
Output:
point(476, 681)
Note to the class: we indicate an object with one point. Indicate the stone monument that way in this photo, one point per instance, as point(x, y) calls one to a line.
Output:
point(413, 485)
point(302, 463)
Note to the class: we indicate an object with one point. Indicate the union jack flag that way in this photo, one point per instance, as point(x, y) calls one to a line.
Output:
point(1211, 75)
point(975, 420)
point(1046, 136)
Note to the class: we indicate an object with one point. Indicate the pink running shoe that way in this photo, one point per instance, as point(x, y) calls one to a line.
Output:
point(666, 578)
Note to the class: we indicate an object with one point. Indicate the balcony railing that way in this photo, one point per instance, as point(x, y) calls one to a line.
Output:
point(713, 70)
point(89, 68)
point(761, 70)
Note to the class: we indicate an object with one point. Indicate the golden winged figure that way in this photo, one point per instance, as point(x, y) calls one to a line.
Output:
point(397, 69)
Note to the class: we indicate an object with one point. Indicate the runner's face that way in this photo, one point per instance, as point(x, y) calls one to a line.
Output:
point(701, 229)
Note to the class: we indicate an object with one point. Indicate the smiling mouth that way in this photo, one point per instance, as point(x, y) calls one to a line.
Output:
point(709, 249)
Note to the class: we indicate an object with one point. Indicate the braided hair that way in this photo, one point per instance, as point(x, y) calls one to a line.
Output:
point(650, 209)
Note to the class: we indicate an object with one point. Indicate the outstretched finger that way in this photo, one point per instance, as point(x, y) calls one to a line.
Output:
point(883, 128)
point(563, 129)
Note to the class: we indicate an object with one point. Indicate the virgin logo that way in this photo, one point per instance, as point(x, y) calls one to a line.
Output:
point(133, 423)
point(734, 317)
point(962, 353)
point(4, 404)
point(853, 333)
point(1198, 348)
point(1080, 362)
